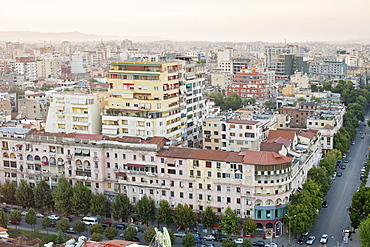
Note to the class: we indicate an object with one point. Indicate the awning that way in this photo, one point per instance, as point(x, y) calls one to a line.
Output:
point(135, 165)
point(18, 145)
point(85, 151)
point(121, 174)
point(78, 150)
point(143, 93)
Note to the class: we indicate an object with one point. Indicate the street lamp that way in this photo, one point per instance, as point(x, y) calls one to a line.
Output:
point(335, 241)
point(289, 227)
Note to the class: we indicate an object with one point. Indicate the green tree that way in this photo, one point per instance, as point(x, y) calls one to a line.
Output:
point(250, 226)
point(59, 239)
point(81, 198)
point(24, 194)
point(327, 85)
point(229, 221)
point(314, 87)
point(164, 213)
point(17, 90)
point(250, 101)
point(79, 226)
point(218, 99)
point(315, 99)
point(96, 237)
point(30, 217)
point(246, 243)
point(364, 233)
point(184, 216)
point(269, 104)
point(46, 223)
point(62, 195)
point(45, 87)
point(130, 233)
point(149, 234)
point(7, 190)
point(3, 219)
point(233, 101)
point(321, 177)
point(172, 236)
point(99, 205)
point(42, 195)
point(63, 225)
point(121, 208)
point(208, 217)
point(188, 240)
point(145, 209)
point(360, 206)
point(98, 228)
point(228, 243)
point(15, 215)
point(314, 189)
point(110, 232)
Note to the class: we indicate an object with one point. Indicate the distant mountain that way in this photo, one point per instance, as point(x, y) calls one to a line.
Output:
point(26, 36)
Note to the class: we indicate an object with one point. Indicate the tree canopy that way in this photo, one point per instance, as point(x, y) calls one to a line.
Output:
point(145, 209)
point(229, 221)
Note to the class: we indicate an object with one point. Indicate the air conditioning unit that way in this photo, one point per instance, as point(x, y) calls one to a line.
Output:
point(69, 166)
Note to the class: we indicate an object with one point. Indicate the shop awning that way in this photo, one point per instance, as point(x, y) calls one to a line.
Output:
point(135, 165)
point(121, 174)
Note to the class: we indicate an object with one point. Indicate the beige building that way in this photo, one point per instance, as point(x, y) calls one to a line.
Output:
point(33, 105)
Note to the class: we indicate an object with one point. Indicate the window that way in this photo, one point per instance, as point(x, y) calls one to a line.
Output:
point(124, 156)
point(191, 173)
point(134, 157)
point(152, 158)
point(155, 88)
point(108, 165)
point(200, 186)
point(199, 173)
point(200, 197)
point(190, 196)
point(209, 174)
point(181, 195)
point(219, 199)
point(218, 165)
point(162, 160)
point(208, 164)
point(237, 189)
point(143, 158)
point(180, 172)
point(228, 199)
point(109, 185)
point(218, 187)
point(238, 200)
point(115, 155)
point(190, 185)
point(163, 193)
point(107, 154)
point(172, 194)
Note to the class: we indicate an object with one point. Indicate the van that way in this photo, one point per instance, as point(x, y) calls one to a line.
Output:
point(90, 220)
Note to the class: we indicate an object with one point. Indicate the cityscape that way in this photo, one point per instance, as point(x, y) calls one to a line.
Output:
point(142, 131)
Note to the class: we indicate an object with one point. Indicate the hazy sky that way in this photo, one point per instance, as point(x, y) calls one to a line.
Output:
point(214, 20)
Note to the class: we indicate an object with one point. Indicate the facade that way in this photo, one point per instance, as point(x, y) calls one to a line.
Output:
point(249, 85)
point(33, 106)
point(75, 113)
point(80, 62)
point(143, 100)
point(299, 114)
point(329, 68)
point(48, 67)
point(272, 54)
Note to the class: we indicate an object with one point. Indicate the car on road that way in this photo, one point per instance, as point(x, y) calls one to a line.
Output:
point(14, 222)
point(198, 240)
point(324, 204)
point(324, 239)
point(54, 217)
point(179, 234)
point(343, 167)
point(344, 155)
point(362, 136)
point(339, 174)
point(207, 245)
point(300, 240)
point(258, 243)
point(39, 215)
point(210, 237)
point(352, 143)
point(310, 240)
point(271, 245)
point(239, 240)
point(304, 234)
point(68, 218)
point(53, 223)
point(24, 213)
point(121, 226)
point(220, 239)
point(71, 230)
point(106, 224)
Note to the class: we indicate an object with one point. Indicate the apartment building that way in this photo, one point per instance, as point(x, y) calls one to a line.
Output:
point(48, 67)
point(299, 114)
point(249, 85)
point(143, 100)
point(75, 112)
point(33, 105)
point(256, 184)
point(272, 54)
point(329, 67)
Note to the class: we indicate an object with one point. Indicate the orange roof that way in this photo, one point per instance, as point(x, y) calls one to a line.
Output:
point(264, 158)
point(273, 134)
point(271, 146)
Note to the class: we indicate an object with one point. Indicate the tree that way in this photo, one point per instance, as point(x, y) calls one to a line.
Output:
point(16, 216)
point(149, 234)
point(164, 213)
point(17, 90)
point(184, 216)
point(63, 225)
point(229, 221)
point(250, 226)
point(62, 195)
point(46, 223)
point(24, 194)
point(209, 217)
point(3, 219)
point(59, 239)
point(130, 233)
point(360, 208)
point(110, 232)
point(96, 237)
point(188, 240)
point(250, 101)
point(30, 217)
point(172, 236)
point(269, 104)
point(81, 198)
point(98, 228)
point(7, 190)
point(45, 87)
point(79, 226)
point(364, 234)
point(145, 209)
point(42, 195)
point(228, 243)
point(246, 243)
point(218, 99)
point(320, 176)
point(233, 101)
point(327, 85)
point(99, 205)
point(314, 88)
point(121, 207)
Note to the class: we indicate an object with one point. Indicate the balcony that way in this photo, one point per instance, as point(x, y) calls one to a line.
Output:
point(95, 159)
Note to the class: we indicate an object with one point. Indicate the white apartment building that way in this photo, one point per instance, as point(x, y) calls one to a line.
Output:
point(80, 62)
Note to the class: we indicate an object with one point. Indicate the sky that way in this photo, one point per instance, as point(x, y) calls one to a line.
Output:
point(199, 20)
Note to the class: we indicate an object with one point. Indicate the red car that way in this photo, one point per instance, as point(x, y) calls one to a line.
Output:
point(15, 222)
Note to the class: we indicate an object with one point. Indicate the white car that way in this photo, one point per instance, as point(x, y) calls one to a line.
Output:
point(271, 245)
point(239, 240)
point(54, 217)
point(209, 238)
point(324, 239)
point(39, 215)
point(24, 213)
point(179, 234)
point(310, 240)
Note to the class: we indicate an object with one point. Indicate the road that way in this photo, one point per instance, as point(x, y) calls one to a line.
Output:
point(335, 217)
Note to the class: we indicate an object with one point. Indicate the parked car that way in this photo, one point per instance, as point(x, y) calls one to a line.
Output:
point(324, 204)
point(53, 223)
point(207, 245)
point(71, 230)
point(198, 240)
point(258, 243)
point(39, 215)
point(4, 209)
point(24, 213)
point(339, 174)
point(121, 226)
point(310, 240)
point(220, 239)
point(13, 222)
point(300, 240)
point(304, 234)
point(210, 237)
point(343, 167)
point(239, 240)
point(352, 143)
point(324, 239)
point(271, 245)
point(106, 224)
point(68, 218)
point(179, 234)
point(54, 217)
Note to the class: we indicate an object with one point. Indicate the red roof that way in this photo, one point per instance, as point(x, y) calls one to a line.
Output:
point(237, 121)
point(264, 158)
point(273, 134)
